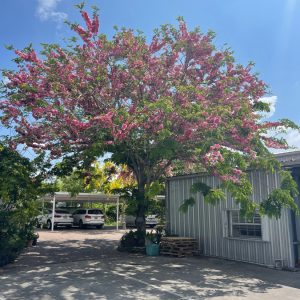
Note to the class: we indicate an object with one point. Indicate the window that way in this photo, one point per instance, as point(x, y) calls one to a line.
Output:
point(61, 211)
point(241, 227)
point(79, 212)
point(95, 212)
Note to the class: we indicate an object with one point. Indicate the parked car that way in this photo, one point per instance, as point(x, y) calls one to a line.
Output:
point(151, 221)
point(41, 219)
point(83, 217)
point(61, 218)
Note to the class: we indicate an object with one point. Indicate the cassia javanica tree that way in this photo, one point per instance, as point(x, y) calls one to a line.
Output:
point(175, 97)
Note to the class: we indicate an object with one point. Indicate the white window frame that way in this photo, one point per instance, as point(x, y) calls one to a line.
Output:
point(229, 224)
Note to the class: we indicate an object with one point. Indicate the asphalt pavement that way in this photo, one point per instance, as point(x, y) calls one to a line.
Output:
point(84, 264)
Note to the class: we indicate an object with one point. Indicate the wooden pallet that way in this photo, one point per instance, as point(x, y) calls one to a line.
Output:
point(178, 246)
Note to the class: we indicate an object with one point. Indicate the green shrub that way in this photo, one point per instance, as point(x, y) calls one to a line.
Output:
point(132, 239)
point(19, 187)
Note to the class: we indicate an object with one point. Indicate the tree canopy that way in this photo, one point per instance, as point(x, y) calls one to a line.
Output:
point(106, 177)
point(150, 103)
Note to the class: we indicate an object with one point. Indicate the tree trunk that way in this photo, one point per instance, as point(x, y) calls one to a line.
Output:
point(140, 221)
point(138, 166)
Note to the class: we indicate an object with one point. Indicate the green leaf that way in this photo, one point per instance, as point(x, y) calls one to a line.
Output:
point(289, 124)
point(80, 6)
point(200, 187)
point(9, 47)
point(261, 106)
point(278, 199)
point(187, 202)
point(214, 196)
point(155, 189)
point(288, 183)
point(281, 197)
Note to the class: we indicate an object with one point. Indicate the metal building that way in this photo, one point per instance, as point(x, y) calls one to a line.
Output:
point(222, 232)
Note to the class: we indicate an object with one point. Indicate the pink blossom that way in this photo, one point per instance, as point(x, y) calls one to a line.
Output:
point(87, 20)
point(231, 178)
point(237, 171)
point(124, 90)
point(124, 126)
point(213, 157)
point(95, 24)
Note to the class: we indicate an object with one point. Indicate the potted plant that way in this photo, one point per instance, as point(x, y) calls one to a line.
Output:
point(35, 238)
point(152, 242)
point(32, 238)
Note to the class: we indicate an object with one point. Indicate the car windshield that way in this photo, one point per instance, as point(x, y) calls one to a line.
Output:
point(95, 212)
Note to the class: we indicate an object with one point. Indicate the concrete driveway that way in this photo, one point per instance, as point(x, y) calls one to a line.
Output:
point(83, 264)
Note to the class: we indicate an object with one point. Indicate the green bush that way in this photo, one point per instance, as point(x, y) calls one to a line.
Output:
point(19, 187)
point(12, 238)
point(111, 214)
point(14, 234)
point(131, 239)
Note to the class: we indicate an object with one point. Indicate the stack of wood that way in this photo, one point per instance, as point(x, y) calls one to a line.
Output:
point(178, 246)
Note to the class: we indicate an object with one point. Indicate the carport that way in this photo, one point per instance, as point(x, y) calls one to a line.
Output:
point(81, 198)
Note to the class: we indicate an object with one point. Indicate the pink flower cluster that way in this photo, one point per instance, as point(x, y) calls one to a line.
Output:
point(92, 25)
point(123, 133)
point(271, 143)
point(29, 56)
point(214, 156)
point(229, 177)
point(177, 88)
point(105, 120)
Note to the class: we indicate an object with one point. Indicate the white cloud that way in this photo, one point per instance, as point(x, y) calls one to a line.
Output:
point(272, 101)
point(46, 10)
point(293, 139)
point(5, 80)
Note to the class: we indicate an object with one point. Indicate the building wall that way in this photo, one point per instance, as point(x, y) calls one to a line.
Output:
point(207, 224)
point(296, 174)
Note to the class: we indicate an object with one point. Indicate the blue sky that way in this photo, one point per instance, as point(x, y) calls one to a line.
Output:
point(266, 32)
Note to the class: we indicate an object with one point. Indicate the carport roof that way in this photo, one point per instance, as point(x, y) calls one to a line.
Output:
point(81, 197)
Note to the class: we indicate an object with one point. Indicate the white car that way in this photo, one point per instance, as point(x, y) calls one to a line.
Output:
point(61, 218)
point(92, 216)
point(41, 219)
point(151, 221)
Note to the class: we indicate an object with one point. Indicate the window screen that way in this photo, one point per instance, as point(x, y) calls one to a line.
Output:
point(244, 227)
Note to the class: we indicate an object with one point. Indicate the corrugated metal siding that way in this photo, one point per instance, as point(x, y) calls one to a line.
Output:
point(204, 222)
point(297, 220)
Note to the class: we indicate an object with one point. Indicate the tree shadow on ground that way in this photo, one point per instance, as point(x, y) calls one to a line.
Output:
point(93, 269)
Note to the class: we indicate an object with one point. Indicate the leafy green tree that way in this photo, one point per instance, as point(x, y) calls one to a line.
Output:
point(20, 185)
point(107, 177)
point(151, 104)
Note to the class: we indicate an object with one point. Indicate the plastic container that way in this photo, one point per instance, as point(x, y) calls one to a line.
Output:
point(152, 250)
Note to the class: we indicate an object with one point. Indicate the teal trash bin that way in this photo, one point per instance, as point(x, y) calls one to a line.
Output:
point(152, 249)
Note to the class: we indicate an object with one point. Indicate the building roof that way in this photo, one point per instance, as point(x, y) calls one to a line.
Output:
point(289, 159)
point(81, 197)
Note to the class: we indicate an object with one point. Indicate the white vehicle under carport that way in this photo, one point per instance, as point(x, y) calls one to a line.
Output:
point(63, 198)
point(151, 221)
point(87, 217)
point(61, 218)
point(41, 219)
